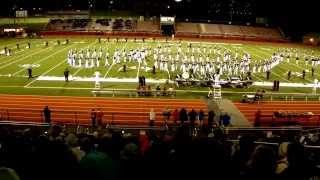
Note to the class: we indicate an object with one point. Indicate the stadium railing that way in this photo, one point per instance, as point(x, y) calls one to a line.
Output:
point(133, 93)
point(80, 117)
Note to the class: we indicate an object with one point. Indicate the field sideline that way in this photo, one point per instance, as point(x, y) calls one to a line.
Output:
point(51, 62)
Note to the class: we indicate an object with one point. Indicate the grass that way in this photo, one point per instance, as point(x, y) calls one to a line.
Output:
point(52, 62)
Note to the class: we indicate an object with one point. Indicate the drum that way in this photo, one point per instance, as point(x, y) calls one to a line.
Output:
point(185, 75)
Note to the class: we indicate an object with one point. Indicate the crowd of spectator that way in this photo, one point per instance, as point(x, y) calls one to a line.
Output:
point(104, 22)
point(80, 23)
point(173, 154)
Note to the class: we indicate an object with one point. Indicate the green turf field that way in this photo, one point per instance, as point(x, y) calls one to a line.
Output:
point(51, 61)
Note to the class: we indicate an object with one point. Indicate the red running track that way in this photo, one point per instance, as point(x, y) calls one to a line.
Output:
point(121, 111)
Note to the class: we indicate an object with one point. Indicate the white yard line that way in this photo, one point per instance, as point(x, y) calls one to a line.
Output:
point(49, 69)
point(77, 71)
point(108, 70)
point(43, 59)
point(106, 74)
point(45, 73)
point(18, 60)
point(138, 70)
point(10, 58)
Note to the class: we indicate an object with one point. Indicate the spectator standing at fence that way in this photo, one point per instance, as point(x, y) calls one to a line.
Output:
point(93, 118)
point(192, 117)
point(183, 116)
point(47, 114)
point(226, 119)
point(175, 116)
point(152, 117)
point(99, 117)
point(166, 116)
point(201, 117)
point(257, 120)
point(262, 164)
point(210, 118)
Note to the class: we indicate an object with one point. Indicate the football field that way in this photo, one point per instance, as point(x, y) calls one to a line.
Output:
point(49, 62)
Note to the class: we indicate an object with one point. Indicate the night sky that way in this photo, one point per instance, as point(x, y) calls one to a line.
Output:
point(296, 15)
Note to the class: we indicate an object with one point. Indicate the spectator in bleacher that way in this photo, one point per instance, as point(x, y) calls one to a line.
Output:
point(72, 142)
point(295, 165)
point(93, 118)
point(262, 164)
point(152, 117)
point(282, 163)
point(183, 116)
point(96, 165)
point(242, 154)
point(129, 162)
point(144, 142)
point(47, 114)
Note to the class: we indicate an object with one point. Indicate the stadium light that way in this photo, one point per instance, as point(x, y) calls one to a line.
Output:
point(177, 1)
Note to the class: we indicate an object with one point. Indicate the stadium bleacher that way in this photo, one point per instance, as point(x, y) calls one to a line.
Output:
point(184, 29)
point(34, 152)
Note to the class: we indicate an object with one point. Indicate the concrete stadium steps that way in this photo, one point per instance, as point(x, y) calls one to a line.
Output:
point(268, 109)
point(118, 111)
